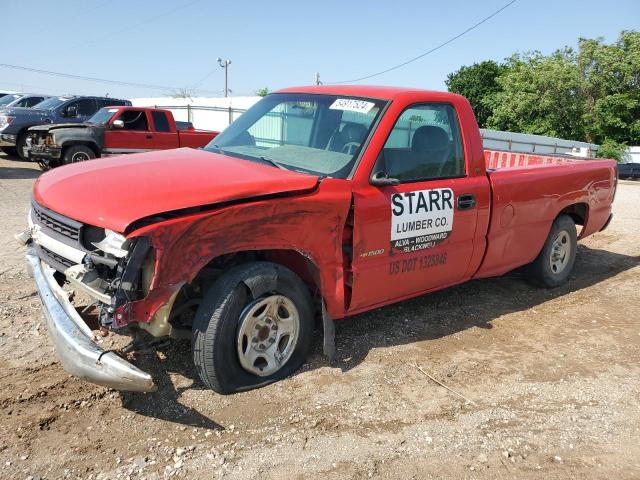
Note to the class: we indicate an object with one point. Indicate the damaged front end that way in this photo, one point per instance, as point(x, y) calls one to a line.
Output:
point(110, 269)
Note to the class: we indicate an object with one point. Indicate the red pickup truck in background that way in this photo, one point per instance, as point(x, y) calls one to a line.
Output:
point(317, 203)
point(112, 131)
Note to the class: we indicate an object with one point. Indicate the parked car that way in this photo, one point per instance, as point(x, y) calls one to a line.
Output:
point(112, 131)
point(14, 122)
point(4, 93)
point(317, 203)
point(628, 171)
point(24, 100)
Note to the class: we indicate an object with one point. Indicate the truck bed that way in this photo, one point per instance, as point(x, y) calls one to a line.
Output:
point(195, 138)
point(525, 201)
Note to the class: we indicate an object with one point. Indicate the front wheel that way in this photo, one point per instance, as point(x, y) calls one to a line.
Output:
point(77, 153)
point(253, 327)
point(554, 263)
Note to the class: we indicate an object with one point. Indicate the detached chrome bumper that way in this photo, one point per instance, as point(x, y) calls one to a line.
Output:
point(78, 353)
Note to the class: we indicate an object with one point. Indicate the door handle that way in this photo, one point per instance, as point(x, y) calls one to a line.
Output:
point(466, 201)
point(149, 137)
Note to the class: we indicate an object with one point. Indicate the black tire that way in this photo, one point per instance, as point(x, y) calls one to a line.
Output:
point(9, 151)
point(543, 271)
point(21, 142)
point(77, 153)
point(217, 325)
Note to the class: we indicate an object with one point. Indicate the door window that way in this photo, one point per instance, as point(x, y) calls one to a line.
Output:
point(85, 107)
point(424, 144)
point(22, 103)
point(110, 102)
point(134, 120)
point(160, 122)
point(32, 101)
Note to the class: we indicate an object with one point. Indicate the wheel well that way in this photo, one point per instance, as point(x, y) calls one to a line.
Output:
point(91, 145)
point(23, 131)
point(191, 293)
point(291, 259)
point(578, 212)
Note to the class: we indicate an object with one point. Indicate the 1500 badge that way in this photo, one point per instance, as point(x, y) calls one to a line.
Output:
point(420, 219)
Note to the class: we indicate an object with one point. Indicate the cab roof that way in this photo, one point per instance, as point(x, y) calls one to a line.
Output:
point(371, 91)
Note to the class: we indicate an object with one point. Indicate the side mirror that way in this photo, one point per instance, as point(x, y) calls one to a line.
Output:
point(381, 179)
point(71, 112)
point(117, 124)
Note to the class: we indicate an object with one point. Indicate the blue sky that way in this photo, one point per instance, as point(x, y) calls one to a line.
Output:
point(279, 43)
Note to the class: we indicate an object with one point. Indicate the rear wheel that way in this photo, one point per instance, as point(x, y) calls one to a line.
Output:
point(77, 153)
point(253, 327)
point(554, 264)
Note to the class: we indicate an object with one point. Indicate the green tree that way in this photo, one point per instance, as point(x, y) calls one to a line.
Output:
point(263, 92)
point(611, 82)
point(477, 82)
point(540, 95)
point(612, 149)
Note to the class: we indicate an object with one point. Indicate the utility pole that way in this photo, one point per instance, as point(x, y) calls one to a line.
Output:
point(318, 82)
point(225, 64)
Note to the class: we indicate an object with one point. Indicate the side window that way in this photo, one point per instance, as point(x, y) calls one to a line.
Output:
point(110, 102)
point(134, 120)
point(33, 101)
point(161, 122)
point(425, 143)
point(84, 106)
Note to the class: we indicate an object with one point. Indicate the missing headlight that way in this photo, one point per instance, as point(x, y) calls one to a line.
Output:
point(114, 244)
point(92, 235)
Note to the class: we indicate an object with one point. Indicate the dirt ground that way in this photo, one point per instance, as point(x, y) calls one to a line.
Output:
point(552, 378)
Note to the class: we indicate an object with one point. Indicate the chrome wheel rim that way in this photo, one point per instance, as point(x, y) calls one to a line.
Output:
point(560, 252)
point(267, 335)
point(79, 157)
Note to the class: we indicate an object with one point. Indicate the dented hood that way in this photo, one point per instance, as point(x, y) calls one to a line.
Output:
point(114, 192)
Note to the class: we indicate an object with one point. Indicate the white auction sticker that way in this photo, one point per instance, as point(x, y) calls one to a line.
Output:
point(420, 219)
point(352, 105)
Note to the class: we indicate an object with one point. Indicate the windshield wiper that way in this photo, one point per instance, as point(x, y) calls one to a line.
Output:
point(217, 147)
point(273, 162)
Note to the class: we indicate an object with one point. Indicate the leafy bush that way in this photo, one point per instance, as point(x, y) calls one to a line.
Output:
point(612, 149)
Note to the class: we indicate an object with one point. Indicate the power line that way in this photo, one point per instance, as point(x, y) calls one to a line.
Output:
point(92, 79)
point(27, 87)
point(136, 25)
point(55, 25)
point(199, 82)
point(438, 47)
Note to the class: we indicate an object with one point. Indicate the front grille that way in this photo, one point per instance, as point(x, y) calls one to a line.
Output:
point(53, 259)
point(57, 223)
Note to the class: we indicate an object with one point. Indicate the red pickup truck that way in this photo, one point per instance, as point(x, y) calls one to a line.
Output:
point(316, 204)
point(112, 131)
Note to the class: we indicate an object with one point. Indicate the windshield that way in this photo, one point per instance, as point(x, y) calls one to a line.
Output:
point(51, 103)
point(103, 116)
point(7, 99)
point(318, 134)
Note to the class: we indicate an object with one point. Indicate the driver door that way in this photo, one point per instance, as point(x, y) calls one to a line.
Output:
point(128, 132)
point(417, 235)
